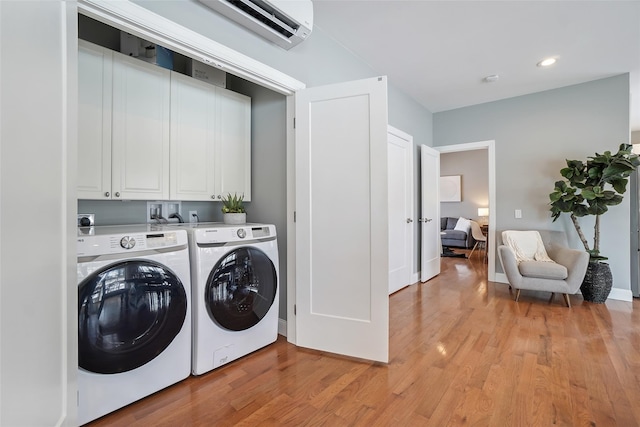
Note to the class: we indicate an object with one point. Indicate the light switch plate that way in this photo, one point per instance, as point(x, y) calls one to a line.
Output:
point(518, 213)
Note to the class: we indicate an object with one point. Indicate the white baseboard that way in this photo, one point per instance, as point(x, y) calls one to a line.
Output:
point(616, 293)
point(282, 327)
point(501, 278)
point(621, 294)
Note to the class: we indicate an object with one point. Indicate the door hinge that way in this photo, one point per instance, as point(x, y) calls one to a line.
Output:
point(294, 216)
point(295, 310)
point(294, 122)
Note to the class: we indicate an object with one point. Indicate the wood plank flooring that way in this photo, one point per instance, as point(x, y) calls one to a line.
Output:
point(462, 352)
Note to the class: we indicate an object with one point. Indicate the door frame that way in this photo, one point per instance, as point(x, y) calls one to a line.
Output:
point(488, 145)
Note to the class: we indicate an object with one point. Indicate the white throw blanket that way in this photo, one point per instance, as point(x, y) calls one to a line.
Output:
point(526, 245)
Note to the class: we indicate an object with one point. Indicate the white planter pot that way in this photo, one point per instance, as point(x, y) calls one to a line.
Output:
point(234, 218)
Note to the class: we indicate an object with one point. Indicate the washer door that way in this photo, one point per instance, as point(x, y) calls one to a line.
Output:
point(241, 288)
point(128, 313)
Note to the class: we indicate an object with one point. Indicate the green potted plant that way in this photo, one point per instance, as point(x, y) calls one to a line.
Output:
point(233, 211)
point(588, 189)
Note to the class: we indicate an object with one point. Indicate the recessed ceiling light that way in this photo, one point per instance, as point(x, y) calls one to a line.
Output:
point(546, 62)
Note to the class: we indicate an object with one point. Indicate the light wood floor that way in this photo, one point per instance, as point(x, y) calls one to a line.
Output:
point(462, 352)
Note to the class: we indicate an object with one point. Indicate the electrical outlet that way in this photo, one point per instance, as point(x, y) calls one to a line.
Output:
point(86, 220)
point(193, 216)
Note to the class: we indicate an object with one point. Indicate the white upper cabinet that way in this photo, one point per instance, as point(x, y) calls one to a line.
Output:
point(147, 133)
point(210, 141)
point(140, 140)
point(233, 143)
point(193, 126)
point(94, 121)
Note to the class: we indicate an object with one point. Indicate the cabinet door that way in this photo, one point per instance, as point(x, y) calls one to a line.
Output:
point(140, 144)
point(193, 121)
point(94, 121)
point(233, 142)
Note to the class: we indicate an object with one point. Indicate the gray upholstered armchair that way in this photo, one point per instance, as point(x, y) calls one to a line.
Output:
point(564, 276)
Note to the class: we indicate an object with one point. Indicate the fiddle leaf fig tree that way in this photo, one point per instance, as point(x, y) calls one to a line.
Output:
point(590, 188)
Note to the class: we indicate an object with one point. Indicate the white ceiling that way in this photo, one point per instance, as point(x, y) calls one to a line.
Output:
point(438, 52)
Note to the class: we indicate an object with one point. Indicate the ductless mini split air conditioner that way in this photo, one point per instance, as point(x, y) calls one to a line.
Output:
point(284, 22)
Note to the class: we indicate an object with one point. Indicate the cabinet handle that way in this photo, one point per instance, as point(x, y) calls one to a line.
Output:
point(409, 220)
point(117, 194)
point(219, 197)
point(213, 196)
point(107, 194)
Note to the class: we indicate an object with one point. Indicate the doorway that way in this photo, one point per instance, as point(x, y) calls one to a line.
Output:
point(489, 146)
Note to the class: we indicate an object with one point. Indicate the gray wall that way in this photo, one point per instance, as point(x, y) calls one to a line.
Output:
point(534, 134)
point(269, 180)
point(474, 170)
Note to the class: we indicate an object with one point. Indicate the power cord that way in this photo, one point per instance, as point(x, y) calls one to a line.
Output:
point(177, 215)
point(194, 215)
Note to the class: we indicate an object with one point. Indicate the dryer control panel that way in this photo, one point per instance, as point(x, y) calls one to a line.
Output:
point(217, 235)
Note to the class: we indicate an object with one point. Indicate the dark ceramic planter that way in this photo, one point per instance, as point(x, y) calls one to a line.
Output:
point(597, 283)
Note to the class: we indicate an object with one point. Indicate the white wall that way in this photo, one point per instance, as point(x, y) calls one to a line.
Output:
point(534, 134)
point(38, 288)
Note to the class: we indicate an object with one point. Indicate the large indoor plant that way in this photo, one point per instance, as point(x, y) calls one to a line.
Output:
point(233, 211)
point(588, 189)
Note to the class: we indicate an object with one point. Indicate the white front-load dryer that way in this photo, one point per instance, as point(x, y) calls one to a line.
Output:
point(234, 272)
point(134, 315)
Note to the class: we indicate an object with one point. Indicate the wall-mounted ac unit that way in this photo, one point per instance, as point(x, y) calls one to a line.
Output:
point(284, 22)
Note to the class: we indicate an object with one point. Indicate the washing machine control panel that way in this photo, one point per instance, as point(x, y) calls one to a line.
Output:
point(103, 243)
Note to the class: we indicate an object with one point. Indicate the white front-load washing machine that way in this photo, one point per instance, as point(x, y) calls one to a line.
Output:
point(134, 315)
point(234, 273)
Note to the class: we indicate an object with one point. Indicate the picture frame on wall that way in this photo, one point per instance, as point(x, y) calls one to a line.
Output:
point(450, 190)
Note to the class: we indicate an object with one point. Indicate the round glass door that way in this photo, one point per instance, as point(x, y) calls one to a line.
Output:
point(241, 288)
point(128, 313)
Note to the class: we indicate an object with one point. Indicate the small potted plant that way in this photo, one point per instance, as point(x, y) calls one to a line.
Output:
point(589, 189)
point(233, 209)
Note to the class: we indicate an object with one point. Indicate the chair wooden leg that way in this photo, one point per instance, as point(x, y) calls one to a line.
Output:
point(517, 294)
point(474, 248)
point(566, 300)
point(551, 299)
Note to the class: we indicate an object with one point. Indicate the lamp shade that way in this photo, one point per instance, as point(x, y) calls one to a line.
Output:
point(483, 211)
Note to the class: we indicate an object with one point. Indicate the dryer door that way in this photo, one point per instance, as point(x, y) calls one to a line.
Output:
point(241, 289)
point(128, 313)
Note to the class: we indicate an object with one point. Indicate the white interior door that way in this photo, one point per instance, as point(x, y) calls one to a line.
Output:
point(401, 224)
point(430, 213)
point(342, 267)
